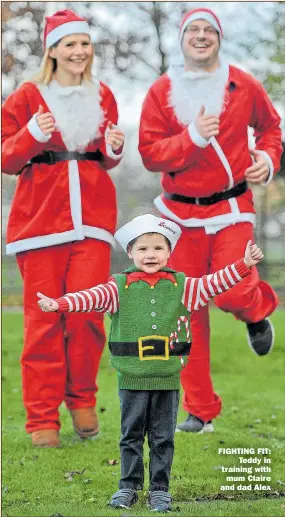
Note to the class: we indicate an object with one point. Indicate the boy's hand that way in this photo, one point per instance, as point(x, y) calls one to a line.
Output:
point(47, 304)
point(253, 254)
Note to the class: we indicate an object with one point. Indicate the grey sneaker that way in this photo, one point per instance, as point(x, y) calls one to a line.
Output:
point(124, 498)
point(159, 501)
point(260, 336)
point(193, 424)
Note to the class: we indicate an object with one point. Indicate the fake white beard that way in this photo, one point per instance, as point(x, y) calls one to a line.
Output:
point(191, 90)
point(77, 113)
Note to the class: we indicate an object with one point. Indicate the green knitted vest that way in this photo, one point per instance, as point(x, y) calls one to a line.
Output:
point(146, 311)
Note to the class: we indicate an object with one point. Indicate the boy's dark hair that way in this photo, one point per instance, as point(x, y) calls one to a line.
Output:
point(131, 243)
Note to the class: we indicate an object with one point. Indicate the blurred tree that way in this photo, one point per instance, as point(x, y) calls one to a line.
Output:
point(134, 40)
point(21, 43)
point(275, 80)
point(267, 61)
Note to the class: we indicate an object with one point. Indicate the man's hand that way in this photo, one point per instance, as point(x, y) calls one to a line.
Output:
point(258, 172)
point(207, 125)
point(45, 121)
point(47, 304)
point(252, 255)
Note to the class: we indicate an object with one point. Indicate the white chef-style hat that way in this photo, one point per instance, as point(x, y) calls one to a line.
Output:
point(148, 224)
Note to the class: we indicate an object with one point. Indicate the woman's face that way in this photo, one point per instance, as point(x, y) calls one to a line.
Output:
point(72, 54)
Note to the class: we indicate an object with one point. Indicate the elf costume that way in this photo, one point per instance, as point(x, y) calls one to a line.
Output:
point(149, 341)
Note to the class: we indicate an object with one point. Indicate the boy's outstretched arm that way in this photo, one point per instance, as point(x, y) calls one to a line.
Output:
point(102, 298)
point(198, 291)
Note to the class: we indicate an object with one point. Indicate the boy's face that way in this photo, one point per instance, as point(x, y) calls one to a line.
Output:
point(150, 252)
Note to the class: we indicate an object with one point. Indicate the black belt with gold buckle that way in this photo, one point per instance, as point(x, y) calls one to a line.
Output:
point(149, 347)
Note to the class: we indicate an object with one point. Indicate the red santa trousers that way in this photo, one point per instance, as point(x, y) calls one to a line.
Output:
point(250, 300)
point(61, 354)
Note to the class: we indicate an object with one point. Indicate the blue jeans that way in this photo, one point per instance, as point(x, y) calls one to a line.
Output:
point(153, 413)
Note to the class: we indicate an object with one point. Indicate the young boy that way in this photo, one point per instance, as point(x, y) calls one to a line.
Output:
point(150, 306)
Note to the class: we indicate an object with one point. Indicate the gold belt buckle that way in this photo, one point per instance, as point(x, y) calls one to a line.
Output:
point(142, 348)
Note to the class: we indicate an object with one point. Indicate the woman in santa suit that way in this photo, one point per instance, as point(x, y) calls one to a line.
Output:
point(59, 135)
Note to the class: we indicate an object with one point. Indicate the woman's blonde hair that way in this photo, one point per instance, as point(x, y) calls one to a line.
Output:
point(48, 67)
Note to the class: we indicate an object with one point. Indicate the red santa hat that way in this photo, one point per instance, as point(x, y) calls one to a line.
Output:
point(200, 14)
point(63, 23)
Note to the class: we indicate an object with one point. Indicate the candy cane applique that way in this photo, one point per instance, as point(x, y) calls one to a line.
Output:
point(175, 335)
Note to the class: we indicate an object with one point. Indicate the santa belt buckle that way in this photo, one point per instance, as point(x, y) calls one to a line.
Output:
point(153, 347)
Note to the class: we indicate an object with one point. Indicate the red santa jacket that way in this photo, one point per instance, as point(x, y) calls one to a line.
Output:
point(166, 146)
point(57, 203)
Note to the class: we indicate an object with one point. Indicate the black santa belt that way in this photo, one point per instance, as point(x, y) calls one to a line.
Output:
point(236, 191)
point(150, 347)
point(51, 157)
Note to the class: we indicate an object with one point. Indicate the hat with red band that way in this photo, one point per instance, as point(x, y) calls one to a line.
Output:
point(63, 23)
point(200, 14)
point(148, 223)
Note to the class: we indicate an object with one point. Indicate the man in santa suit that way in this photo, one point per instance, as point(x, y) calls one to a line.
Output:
point(59, 133)
point(194, 130)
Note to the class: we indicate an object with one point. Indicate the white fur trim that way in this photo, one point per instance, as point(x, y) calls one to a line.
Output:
point(196, 137)
point(224, 219)
point(224, 160)
point(212, 229)
point(190, 90)
point(202, 15)
point(111, 154)
point(98, 233)
point(234, 206)
point(36, 131)
point(40, 242)
point(271, 167)
point(75, 198)
point(53, 239)
point(66, 29)
point(77, 112)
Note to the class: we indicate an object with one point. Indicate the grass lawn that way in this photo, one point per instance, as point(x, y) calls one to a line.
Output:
point(35, 482)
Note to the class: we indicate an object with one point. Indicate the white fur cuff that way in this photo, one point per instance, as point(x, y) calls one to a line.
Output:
point(36, 131)
point(111, 154)
point(271, 167)
point(196, 137)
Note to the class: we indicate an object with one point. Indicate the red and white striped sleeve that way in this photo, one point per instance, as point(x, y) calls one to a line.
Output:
point(198, 291)
point(101, 298)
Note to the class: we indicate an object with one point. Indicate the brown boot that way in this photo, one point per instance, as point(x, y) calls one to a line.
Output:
point(45, 438)
point(85, 421)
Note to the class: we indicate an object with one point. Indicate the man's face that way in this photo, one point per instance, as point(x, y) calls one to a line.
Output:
point(200, 44)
